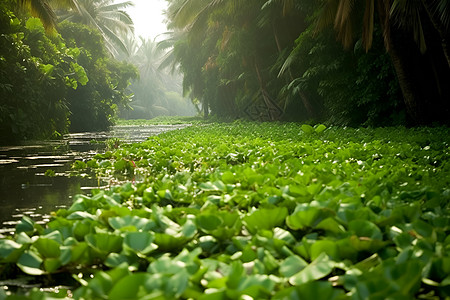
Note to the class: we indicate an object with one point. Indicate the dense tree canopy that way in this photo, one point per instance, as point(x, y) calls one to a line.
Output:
point(280, 59)
point(374, 63)
point(50, 83)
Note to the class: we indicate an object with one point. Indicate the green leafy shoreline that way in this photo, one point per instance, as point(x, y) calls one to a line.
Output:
point(240, 210)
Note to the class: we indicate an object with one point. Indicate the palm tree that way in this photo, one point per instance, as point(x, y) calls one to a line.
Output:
point(107, 17)
point(408, 14)
point(44, 10)
point(420, 77)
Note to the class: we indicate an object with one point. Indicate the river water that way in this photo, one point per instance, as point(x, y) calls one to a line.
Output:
point(26, 190)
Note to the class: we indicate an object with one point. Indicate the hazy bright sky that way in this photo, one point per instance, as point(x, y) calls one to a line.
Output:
point(147, 17)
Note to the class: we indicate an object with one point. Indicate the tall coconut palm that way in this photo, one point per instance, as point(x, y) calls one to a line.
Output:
point(106, 16)
point(400, 21)
point(408, 13)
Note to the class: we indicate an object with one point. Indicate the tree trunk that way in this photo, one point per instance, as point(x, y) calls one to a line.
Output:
point(305, 101)
point(437, 24)
point(205, 108)
point(409, 94)
point(421, 77)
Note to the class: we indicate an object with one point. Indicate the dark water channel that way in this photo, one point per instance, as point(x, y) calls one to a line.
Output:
point(25, 190)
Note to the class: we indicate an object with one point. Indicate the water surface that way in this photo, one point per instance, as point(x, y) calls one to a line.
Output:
point(26, 190)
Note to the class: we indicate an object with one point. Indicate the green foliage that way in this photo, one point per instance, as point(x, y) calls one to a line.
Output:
point(33, 76)
point(94, 105)
point(268, 61)
point(50, 82)
point(266, 211)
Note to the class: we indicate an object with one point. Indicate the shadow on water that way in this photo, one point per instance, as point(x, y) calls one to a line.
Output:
point(26, 189)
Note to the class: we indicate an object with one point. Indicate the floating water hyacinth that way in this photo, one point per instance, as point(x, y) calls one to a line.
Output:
point(340, 213)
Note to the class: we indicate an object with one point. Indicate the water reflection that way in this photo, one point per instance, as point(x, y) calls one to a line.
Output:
point(25, 188)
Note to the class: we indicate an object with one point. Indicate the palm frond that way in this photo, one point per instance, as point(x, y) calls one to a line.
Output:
point(369, 14)
point(42, 10)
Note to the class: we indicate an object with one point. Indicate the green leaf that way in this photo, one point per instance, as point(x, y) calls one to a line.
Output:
point(52, 264)
point(105, 242)
point(208, 222)
point(307, 216)
point(265, 219)
point(213, 186)
point(131, 223)
point(47, 248)
point(34, 24)
point(25, 225)
point(81, 215)
point(47, 69)
point(10, 250)
point(319, 268)
point(423, 228)
point(30, 263)
point(324, 246)
point(235, 275)
point(177, 284)
point(292, 265)
point(140, 242)
point(364, 228)
point(320, 128)
point(167, 242)
point(114, 260)
point(308, 129)
point(129, 287)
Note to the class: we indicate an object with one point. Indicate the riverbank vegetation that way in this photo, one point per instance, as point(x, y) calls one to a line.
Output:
point(275, 60)
point(260, 210)
point(238, 210)
point(53, 83)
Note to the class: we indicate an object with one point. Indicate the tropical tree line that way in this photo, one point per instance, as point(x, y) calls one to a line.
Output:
point(158, 90)
point(374, 62)
point(55, 81)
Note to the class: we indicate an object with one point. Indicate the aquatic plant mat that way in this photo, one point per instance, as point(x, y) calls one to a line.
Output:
point(249, 210)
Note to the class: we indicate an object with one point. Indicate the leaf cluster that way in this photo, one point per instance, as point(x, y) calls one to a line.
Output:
point(256, 210)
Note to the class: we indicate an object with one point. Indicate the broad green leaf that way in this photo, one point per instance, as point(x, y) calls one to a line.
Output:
point(105, 242)
point(10, 250)
point(319, 268)
point(130, 287)
point(166, 265)
point(47, 248)
point(364, 228)
point(309, 216)
point(257, 286)
point(265, 218)
point(52, 264)
point(292, 265)
point(213, 186)
point(177, 284)
point(320, 128)
point(228, 177)
point(131, 223)
point(167, 242)
point(324, 246)
point(140, 241)
point(114, 260)
point(307, 128)
point(208, 222)
point(423, 228)
point(25, 225)
point(235, 275)
point(30, 263)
